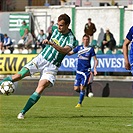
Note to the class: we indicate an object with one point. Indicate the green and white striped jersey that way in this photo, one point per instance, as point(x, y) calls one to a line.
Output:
point(51, 54)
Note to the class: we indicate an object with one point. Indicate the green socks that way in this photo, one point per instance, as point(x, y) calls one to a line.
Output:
point(6, 79)
point(23, 72)
point(32, 100)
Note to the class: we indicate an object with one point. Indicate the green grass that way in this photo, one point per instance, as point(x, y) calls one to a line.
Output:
point(54, 114)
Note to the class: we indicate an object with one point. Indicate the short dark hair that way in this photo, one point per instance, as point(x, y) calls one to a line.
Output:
point(64, 17)
point(89, 18)
point(5, 34)
point(85, 35)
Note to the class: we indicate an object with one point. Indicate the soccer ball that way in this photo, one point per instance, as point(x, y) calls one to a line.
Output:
point(7, 88)
point(90, 94)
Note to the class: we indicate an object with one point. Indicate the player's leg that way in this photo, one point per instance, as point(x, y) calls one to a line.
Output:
point(34, 97)
point(77, 83)
point(81, 95)
point(21, 74)
point(89, 84)
point(48, 77)
point(27, 70)
point(77, 89)
point(81, 90)
point(83, 83)
point(89, 89)
point(46, 80)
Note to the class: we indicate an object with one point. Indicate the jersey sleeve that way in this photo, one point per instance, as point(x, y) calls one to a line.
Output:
point(129, 34)
point(75, 50)
point(92, 52)
point(71, 41)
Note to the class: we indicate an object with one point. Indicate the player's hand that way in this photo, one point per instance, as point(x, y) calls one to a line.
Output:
point(95, 72)
point(127, 66)
point(45, 41)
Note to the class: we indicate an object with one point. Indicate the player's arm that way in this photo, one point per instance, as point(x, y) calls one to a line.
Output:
point(95, 65)
point(125, 53)
point(71, 53)
point(63, 50)
point(74, 51)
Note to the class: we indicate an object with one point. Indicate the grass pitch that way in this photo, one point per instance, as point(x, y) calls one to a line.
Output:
point(54, 114)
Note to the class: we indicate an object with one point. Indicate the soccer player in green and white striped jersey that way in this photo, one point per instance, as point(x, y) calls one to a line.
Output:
point(53, 55)
point(47, 62)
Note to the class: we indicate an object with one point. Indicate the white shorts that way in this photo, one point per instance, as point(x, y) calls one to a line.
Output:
point(46, 69)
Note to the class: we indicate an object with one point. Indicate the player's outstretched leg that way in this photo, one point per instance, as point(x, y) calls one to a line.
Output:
point(21, 74)
point(9, 78)
point(32, 100)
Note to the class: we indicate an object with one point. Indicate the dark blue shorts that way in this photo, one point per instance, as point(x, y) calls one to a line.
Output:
point(81, 78)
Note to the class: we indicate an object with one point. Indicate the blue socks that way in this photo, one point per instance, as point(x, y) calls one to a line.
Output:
point(81, 96)
point(32, 100)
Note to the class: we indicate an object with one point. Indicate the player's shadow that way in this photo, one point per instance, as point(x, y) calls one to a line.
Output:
point(106, 90)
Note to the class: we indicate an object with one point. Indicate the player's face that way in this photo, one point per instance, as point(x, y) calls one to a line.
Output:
point(62, 27)
point(86, 41)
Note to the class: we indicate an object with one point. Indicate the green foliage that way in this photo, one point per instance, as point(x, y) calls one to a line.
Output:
point(54, 114)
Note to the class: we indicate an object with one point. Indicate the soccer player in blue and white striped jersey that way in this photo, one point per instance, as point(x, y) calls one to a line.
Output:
point(85, 53)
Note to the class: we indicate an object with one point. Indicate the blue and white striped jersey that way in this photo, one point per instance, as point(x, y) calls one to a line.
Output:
point(84, 57)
